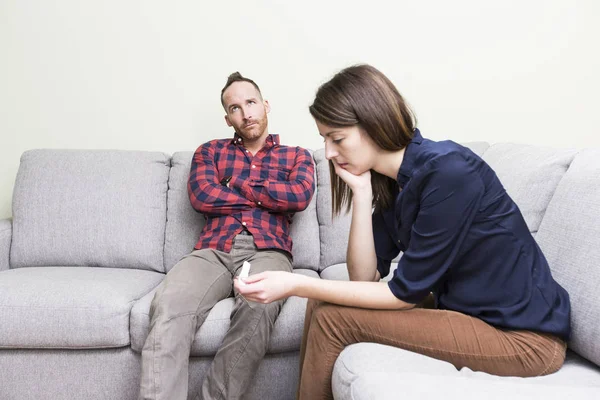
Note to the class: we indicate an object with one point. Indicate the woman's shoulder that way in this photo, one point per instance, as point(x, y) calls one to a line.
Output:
point(444, 155)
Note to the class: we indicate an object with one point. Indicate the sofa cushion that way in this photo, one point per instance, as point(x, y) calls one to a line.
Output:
point(336, 272)
point(94, 374)
point(477, 147)
point(5, 239)
point(339, 272)
point(333, 231)
point(569, 236)
point(90, 208)
point(530, 175)
point(305, 234)
point(367, 371)
point(286, 336)
point(184, 224)
point(70, 307)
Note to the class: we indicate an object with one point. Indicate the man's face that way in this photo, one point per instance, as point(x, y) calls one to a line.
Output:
point(246, 111)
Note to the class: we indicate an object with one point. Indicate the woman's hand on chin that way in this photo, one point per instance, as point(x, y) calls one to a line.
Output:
point(357, 183)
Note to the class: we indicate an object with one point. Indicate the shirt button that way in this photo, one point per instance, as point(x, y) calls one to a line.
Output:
point(398, 241)
point(239, 139)
point(254, 166)
point(243, 223)
point(259, 203)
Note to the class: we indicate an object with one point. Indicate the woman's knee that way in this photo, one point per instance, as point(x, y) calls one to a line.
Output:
point(556, 358)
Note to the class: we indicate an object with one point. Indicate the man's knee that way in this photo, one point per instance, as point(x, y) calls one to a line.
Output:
point(269, 310)
point(169, 305)
point(171, 302)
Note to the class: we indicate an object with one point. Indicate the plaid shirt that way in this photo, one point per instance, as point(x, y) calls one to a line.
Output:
point(264, 191)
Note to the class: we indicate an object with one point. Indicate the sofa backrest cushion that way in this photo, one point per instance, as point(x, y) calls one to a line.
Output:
point(477, 147)
point(333, 231)
point(530, 175)
point(569, 236)
point(184, 224)
point(102, 208)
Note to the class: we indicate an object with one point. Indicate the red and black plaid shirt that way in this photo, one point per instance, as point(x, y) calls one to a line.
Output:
point(264, 192)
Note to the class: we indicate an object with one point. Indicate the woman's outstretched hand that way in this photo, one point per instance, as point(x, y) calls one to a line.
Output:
point(268, 286)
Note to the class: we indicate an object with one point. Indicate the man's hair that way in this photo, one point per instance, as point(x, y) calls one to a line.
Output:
point(237, 77)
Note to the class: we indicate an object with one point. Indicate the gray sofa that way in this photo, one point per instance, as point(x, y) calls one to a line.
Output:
point(94, 232)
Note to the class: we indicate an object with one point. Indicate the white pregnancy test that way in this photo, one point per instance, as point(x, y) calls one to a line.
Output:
point(244, 272)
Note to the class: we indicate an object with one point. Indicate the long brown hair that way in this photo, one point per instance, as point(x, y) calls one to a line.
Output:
point(362, 95)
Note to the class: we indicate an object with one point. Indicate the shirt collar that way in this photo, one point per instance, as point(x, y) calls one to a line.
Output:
point(408, 162)
point(271, 141)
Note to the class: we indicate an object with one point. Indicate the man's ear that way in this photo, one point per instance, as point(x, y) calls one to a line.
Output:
point(227, 120)
point(267, 106)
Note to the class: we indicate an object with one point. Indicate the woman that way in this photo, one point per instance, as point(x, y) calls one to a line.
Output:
point(472, 287)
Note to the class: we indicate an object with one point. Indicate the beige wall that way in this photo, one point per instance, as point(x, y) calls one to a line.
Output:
point(147, 74)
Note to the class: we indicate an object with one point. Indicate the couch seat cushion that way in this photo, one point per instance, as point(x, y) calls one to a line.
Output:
point(373, 371)
point(287, 333)
point(69, 307)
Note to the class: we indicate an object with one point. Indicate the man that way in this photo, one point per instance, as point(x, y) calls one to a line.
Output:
point(248, 188)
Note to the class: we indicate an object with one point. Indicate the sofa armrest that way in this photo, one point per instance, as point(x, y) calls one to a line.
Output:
point(5, 240)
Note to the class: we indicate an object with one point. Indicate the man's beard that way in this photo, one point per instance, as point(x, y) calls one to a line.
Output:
point(254, 131)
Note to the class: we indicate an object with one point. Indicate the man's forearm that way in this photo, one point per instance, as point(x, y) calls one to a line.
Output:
point(216, 199)
point(276, 195)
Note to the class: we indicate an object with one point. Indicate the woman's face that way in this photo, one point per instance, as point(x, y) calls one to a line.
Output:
point(349, 147)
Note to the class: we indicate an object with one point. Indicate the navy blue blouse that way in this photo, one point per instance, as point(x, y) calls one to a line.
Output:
point(465, 240)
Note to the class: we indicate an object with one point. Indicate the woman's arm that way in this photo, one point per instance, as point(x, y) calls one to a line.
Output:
point(361, 258)
point(360, 255)
point(270, 286)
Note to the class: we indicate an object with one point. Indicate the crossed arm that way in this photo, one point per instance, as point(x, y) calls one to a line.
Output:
point(283, 196)
point(208, 196)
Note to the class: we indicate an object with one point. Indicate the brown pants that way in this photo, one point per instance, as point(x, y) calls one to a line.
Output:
point(462, 340)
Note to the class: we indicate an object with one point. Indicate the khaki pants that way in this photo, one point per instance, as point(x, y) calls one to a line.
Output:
point(446, 335)
point(180, 306)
